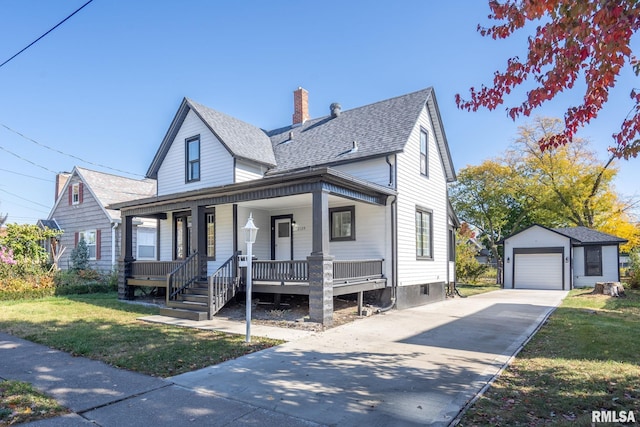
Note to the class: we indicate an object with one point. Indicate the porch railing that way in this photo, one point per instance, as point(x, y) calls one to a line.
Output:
point(183, 276)
point(153, 268)
point(223, 284)
point(360, 269)
point(280, 271)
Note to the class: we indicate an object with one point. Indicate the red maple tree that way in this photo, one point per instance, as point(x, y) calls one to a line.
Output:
point(587, 39)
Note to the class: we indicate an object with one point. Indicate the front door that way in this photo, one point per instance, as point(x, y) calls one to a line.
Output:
point(282, 238)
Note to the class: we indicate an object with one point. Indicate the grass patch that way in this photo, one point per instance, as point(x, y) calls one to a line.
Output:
point(585, 358)
point(100, 327)
point(468, 289)
point(20, 402)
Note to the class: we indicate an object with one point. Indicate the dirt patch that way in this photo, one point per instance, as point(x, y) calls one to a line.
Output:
point(292, 312)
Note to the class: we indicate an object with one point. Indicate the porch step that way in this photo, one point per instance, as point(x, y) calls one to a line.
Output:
point(184, 314)
point(189, 305)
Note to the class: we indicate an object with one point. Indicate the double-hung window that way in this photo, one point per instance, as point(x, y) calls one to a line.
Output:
point(90, 240)
point(424, 152)
point(424, 233)
point(192, 157)
point(146, 243)
point(343, 223)
point(593, 260)
point(76, 197)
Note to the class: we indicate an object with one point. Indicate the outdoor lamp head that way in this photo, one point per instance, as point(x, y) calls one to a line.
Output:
point(250, 230)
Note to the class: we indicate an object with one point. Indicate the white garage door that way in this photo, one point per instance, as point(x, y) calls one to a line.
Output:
point(538, 271)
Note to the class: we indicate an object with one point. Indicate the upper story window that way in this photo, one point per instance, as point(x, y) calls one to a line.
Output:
point(424, 152)
point(593, 260)
point(343, 223)
point(424, 234)
point(76, 193)
point(192, 159)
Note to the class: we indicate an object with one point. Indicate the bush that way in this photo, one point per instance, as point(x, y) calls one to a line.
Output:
point(16, 287)
point(633, 271)
point(85, 282)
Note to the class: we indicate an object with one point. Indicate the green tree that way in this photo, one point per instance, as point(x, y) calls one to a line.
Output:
point(80, 256)
point(468, 269)
point(484, 197)
point(25, 241)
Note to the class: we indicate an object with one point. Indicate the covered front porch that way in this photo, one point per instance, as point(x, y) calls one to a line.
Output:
point(321, 233)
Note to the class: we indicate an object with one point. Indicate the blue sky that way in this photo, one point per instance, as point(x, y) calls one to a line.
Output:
point(106, 84)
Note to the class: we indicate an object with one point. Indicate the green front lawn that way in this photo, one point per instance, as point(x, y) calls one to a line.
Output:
point(100, 327)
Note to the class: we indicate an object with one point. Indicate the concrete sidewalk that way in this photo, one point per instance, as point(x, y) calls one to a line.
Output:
point(403, 368)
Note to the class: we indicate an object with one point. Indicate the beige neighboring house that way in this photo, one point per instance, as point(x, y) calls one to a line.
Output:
point(80, 211)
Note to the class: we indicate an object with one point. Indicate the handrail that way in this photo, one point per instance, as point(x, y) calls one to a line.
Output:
point(183, 276)
point(223, 284)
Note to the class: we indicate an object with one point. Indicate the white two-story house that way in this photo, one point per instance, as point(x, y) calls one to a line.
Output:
point(355, 201)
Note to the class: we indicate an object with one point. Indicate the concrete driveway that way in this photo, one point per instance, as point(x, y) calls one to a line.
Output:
point(413, 367)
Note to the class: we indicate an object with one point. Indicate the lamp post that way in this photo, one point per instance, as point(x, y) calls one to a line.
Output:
point(250, 233)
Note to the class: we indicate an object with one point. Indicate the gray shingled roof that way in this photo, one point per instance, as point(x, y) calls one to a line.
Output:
point(241, 139)
point(110, 189)
point(377, 129)
point(587, 235)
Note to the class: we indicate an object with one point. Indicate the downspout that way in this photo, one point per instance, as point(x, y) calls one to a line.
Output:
point(114, 225)
point(394, 249)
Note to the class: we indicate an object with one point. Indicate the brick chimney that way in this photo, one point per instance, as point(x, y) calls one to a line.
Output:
point(300, 106)
point(61, 180)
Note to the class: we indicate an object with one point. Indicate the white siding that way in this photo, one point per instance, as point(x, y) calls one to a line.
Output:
point(373, 170)
point(535, 237)
point(247, 171)
point(216, 164)
point(610, 268)
point(224, 237)
point(416, 190)
point(371, 237)
point(166, 238)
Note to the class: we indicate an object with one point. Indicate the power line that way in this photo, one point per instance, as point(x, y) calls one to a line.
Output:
point(26, 160)
point(25, 175)
point(22, 198)
point(65, 154)
point(38, 39)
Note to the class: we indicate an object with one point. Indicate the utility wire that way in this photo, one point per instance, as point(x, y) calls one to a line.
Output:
point(22, 198)
point(38, 39)
point(25, 175)
point(65, 154)
point(26, 160)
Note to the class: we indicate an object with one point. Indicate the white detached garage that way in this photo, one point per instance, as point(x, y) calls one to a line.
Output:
point(562, 258)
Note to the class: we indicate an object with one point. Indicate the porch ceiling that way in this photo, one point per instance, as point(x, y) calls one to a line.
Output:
point(291, 202)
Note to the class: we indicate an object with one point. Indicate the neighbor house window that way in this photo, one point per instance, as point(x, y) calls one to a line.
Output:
point(90, 238)
point(76, 194)
point(193, 158)
point(424, 151)
point(146, 243)
point(424, 234)
point(593, 261)
point(211, 235)
point(343, 223)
